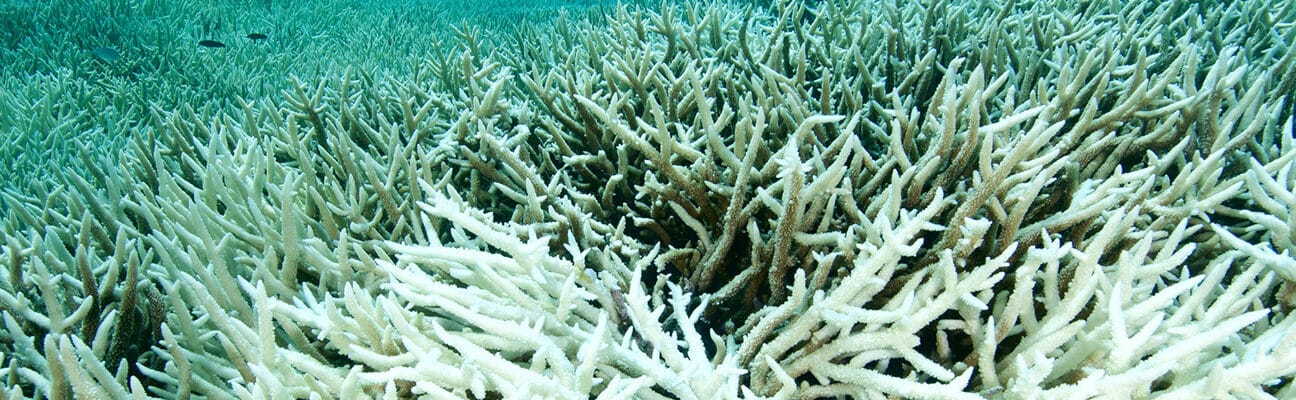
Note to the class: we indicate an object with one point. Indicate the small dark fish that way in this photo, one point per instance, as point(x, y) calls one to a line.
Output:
point(256, 36)
point(106, 54)
point(211, 43)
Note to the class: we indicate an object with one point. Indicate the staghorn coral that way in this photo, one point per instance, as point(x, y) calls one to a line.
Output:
point(851, 199)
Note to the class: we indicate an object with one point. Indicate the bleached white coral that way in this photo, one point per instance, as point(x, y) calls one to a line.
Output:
point(1018, 200)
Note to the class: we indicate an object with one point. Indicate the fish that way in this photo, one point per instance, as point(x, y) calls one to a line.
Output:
point(256, 36)
point(210, 43)
point(105, 54)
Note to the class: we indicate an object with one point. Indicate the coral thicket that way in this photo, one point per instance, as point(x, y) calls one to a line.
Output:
point(838, 199)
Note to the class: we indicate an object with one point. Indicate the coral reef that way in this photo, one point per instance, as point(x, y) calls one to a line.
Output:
point(845, 199)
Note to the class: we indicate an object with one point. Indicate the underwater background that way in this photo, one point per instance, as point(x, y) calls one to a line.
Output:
point(62, 93)
point(704, 199)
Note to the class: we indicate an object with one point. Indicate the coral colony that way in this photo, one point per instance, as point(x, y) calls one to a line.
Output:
point(843, 199)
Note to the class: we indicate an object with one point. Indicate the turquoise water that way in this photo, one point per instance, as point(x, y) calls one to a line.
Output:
point(61, 92)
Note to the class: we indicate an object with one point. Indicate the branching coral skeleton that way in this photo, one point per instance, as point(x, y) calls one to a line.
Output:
point(1029, 200)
